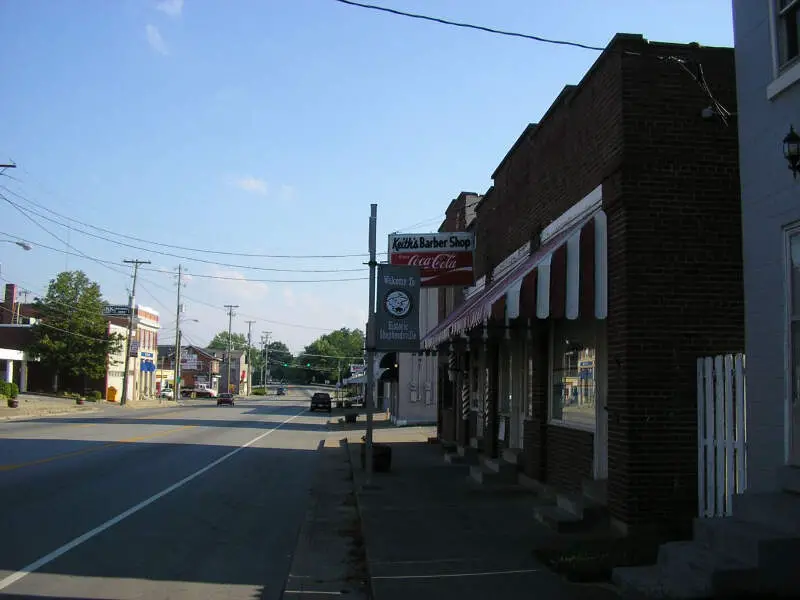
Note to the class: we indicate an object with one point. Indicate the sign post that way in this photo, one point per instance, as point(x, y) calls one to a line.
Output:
point(370, 345)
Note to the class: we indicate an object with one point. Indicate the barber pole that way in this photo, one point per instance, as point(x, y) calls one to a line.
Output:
point(452, 363)
point(465, 396)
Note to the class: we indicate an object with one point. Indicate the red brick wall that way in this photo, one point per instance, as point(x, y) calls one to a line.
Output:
point(675, 278)
point(570, 457)
point(555, 164)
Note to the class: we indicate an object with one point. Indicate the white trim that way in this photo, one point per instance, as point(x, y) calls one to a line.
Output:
point(573, 276)
point(512, 299)
point(511, 261)
point(784, 81)
point(791, 72)
point(543, 287)
point(600, 265)
point(479, 286)
point(11, 354)
point(773, 37)
point(788, 413)
point(592, 201)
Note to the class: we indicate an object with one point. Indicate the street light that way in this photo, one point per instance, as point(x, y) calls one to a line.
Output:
point(24, 245)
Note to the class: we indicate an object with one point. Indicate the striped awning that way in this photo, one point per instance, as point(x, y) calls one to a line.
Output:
point(566, 277)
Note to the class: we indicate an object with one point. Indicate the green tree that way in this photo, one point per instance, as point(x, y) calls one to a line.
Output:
point(279, 355)
point(220, 341)
point(330, 352)
point(71, 336)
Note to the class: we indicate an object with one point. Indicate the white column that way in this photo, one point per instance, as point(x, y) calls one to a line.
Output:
point(9, 371)
point(23, 376)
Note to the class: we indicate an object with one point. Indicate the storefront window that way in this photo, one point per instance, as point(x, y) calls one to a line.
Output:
point(574, 373)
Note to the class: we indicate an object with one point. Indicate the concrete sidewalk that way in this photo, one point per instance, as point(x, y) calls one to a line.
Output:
point(431, 534)
point(328, 560)
point(31, 405)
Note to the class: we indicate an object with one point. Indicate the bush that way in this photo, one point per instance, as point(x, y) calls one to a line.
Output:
point(95, 395)
point(259, 392)
point(9, 390)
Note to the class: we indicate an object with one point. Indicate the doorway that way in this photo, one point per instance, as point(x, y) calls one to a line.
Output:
point(792, 401)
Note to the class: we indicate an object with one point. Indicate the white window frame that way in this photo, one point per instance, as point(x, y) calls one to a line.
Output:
point(550, 400)
point(789, 232)
point(784, 74)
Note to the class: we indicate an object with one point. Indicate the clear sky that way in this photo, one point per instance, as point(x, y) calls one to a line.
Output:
point(268, 127)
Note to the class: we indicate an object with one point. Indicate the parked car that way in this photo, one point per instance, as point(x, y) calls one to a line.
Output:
point(167, 393)
point(281, 391)
point(225, 399)
point(321, 400)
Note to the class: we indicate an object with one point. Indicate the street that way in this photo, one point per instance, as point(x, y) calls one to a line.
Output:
point(196, 501)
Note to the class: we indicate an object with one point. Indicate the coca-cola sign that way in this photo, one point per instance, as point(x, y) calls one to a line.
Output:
point(444, 259)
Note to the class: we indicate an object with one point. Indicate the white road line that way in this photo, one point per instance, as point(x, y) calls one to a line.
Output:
point(48, 558)
point(443, 575)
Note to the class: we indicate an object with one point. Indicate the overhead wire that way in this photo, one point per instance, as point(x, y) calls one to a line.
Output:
point(170, 254)
point(174, 246)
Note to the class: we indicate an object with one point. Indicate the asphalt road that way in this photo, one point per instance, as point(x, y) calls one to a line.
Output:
point(197, 501)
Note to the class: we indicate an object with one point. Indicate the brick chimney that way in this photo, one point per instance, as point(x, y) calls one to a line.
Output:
point(9, 304)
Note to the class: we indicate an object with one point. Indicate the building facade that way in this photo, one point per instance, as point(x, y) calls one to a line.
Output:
point(143, 361)
point(608, 257)
point(768, 72)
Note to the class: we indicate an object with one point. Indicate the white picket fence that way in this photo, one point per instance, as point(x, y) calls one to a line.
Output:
point(721, 433)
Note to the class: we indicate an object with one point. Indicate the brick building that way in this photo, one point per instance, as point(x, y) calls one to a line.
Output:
point(608, 259)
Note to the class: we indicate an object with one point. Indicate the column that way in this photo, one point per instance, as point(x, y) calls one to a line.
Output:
point(9, 371)
point(23, 376)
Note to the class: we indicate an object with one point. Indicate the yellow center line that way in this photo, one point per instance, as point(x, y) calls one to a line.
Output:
point(55, 457)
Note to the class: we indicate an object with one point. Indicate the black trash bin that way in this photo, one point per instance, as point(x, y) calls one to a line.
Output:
point(351, 418)
point(381, 457)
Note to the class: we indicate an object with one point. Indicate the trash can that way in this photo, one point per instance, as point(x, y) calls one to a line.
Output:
point(381, 457)
point(111, 394)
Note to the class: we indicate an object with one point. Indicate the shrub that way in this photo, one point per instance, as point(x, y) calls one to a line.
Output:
point(95, 395)
point(259, 392)
point(9, 390)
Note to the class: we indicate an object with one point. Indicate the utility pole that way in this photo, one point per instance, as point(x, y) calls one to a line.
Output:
point(249, 357)
point(131, 309)
point(176, 390)
point(368, 400)
point(265, 337)
point(230, 308)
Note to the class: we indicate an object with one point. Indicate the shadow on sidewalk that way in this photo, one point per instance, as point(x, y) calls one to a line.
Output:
point(431, 533)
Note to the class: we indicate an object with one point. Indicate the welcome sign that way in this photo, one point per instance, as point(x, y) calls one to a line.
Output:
point(397, 314)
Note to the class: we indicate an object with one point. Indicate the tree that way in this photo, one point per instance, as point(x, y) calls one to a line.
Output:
point(220, 341)
point(324, 357)
point(280, 360)
point(71, 336)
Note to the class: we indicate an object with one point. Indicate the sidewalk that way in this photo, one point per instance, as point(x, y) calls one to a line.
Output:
point(328, 560)
point(431, 534)
point(31, 406)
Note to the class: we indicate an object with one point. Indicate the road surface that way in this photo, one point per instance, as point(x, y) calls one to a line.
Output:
point(197, 501)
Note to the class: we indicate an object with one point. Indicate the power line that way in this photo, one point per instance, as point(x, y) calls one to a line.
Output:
point(441, 21)
point(198, 275)
point(174, 246)
point(163, 253)
point(48, 326)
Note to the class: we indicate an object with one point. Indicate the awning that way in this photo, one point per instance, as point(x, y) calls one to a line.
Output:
point(566, 277)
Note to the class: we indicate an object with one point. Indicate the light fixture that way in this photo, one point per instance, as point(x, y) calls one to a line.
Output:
point(791, 150)
point(24, 245)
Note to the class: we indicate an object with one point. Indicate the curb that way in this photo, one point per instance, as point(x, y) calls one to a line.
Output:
point(346, 445)
point(53, 413)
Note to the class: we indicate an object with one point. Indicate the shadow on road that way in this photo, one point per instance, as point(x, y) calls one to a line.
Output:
point(179, 422)
point(189, 530)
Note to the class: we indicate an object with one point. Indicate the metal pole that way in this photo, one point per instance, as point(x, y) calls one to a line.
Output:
point(267, 334)
point(176, 390)
point(124, 398)
point(368, 400)
point(230, 308)
point(249, 357)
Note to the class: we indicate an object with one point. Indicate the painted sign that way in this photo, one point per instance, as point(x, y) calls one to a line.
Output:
point(444, 259)
point(116, 310)
point(134, 348)
point(189, 362)
point(397, 313)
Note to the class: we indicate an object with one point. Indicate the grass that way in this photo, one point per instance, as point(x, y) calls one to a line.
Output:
point(591, 561)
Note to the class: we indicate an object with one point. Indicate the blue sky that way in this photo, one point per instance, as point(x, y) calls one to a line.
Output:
point(268, 127)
